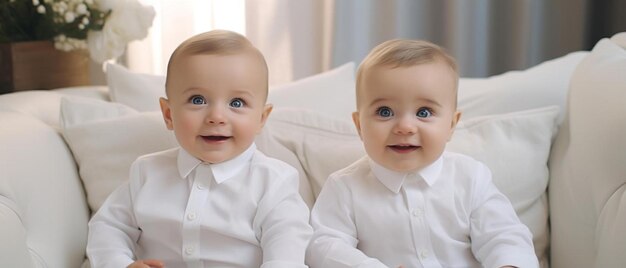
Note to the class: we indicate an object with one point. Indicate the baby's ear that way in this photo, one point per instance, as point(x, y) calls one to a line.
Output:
point(167, 113)
point(265, 114)
point(357, 122)
point(455, 120)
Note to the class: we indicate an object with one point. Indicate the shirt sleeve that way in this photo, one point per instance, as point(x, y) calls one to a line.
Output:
point(335, 238)
point(498, 236)
point(113, 231)
point(283, 221)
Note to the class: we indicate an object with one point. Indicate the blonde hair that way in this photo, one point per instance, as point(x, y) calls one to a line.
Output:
point(403, 53)
point(216, 42)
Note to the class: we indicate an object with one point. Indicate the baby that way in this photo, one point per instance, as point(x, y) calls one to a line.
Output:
point(409, 203)
point(215, 201)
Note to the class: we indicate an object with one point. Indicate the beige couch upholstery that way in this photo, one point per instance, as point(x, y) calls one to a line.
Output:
point(47, 194)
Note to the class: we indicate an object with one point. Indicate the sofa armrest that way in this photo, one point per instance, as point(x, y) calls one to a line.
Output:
point(13, 249)
point(43, 211)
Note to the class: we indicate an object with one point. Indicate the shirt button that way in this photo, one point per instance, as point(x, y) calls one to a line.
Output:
point(192, 216)
point(189, 250)
point(417, 212)
point(424, 254)
point(200, 186)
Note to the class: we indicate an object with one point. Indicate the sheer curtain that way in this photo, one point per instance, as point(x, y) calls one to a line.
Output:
point(304, 37)
point(288, 33)
point(294, 36)
point(176, 21)
point(486, 36)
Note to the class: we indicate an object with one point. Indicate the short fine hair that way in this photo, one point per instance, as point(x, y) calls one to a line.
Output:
point(404, 53)
point(216, 42)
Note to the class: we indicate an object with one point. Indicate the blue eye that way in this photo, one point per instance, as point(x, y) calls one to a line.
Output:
point(237, 103)
point(197, 100)
point(384, 112)
point(424, 113)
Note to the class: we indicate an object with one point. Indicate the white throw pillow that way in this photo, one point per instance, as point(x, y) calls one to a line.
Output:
point(514, 146)
point(542, 85)
point(138, 91)
point(106, 138)
point(330, 92)
point(588, 164)
point(314, 143)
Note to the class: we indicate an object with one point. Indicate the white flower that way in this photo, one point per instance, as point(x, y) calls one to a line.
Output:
point(81, 9)
point(62, 42)
point(69, 17)
point(109, 4)
point(129, 20)
point(60, 7)
point(41, 9)
point(104, 46)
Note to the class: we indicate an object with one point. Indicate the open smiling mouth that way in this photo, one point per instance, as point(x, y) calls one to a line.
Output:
point(403, 148)
point(215, 138)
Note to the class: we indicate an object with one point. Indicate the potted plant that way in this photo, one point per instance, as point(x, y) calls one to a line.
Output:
point(47, 43)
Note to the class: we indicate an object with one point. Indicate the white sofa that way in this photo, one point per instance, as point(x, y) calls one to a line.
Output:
point(559, 124)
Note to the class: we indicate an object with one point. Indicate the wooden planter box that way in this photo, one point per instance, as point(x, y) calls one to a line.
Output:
point(38, 65)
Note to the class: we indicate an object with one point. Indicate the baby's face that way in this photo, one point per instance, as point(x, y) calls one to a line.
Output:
point(216, 104)
point(406, 115)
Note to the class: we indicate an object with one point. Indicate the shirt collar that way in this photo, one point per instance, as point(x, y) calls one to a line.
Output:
point(393, 180)
point(221, 171)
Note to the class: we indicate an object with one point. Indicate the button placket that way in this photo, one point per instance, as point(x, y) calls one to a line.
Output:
point(201, 178)
point(416, 204)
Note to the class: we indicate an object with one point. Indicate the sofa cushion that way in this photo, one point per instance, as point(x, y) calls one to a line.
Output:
point(330, 93)
point(588, 164)
point(136, 90)
point(515, 146)
point(106, 138)
point(542, 85)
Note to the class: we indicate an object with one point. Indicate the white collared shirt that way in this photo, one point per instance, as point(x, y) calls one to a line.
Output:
point(448, 214)
point(245, 212)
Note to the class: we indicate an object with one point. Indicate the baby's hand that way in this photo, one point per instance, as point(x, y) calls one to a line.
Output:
point(150, 263)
